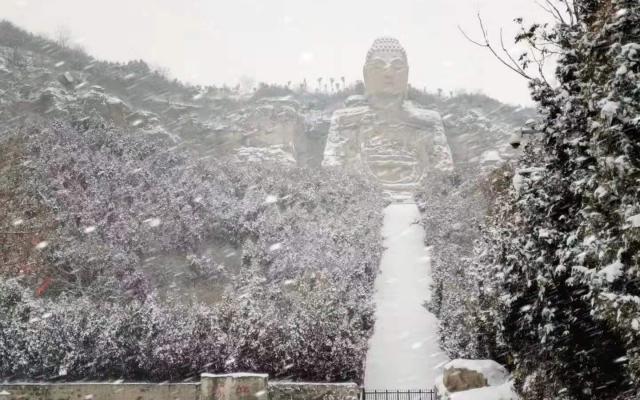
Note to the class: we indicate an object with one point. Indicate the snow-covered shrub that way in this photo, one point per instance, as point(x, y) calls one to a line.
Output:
point(453, 208)
point(299, 306)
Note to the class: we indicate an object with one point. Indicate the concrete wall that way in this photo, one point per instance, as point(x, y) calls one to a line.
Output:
point(210, 387)
point(99, 391)
point(313, 391)
point(241, 386)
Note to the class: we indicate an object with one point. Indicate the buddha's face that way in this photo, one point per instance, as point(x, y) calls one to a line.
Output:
point(386, 75)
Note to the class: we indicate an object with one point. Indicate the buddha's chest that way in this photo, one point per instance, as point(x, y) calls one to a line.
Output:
point(392, 152)
point(374, 137)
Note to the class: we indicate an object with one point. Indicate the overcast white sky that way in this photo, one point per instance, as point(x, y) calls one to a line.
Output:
point(219, 41)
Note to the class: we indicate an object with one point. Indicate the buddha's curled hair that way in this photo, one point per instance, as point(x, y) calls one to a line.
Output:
point(386, 45)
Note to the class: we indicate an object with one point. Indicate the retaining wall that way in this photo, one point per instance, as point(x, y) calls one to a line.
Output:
point(211, 387)
point(99, 391)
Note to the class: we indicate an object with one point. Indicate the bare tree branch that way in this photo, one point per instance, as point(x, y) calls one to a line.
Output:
point(571, 11)
point(504, 49)
point(540, 63)
point(471, 40)
point(547, 10)
point(557, 12)
point(487, 44)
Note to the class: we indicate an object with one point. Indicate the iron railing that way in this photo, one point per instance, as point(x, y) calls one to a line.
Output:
point(418, 394)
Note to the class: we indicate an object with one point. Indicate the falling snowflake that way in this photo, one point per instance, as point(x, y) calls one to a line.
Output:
point(270, 199)
point(306, 57)
point(153, 222)
point(275, 246)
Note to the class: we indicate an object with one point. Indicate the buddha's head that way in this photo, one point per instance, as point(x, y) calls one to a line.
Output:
point(386, 73)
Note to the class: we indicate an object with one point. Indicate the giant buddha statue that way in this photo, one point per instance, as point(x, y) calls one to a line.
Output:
point(386, 136)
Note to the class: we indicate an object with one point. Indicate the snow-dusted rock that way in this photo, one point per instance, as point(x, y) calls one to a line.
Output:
point(52, 101)
point(109, 107)
point(309, 144)
point(494, 373)
point(475, 379)
point(356, 100)
point(67, 78)
point(460, 379)
point(273, 153)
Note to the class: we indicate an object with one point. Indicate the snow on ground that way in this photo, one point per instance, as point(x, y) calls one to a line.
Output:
point(403, 351)
point(501, 392)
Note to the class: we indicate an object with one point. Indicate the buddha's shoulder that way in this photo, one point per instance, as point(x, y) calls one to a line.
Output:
point(349, 115)
point(421, 115)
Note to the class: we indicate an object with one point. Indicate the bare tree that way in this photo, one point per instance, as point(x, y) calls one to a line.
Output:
point(540, 45)
point(63, 37)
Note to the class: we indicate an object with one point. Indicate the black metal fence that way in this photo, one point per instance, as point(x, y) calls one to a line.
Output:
point(419, 394)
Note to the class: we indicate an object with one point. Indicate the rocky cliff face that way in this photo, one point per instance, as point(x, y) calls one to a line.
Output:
point(478, 127)
point(39, 78)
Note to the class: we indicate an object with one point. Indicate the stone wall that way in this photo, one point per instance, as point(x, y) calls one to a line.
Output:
point(313, 391)
point(211, 387)
point(99, 391)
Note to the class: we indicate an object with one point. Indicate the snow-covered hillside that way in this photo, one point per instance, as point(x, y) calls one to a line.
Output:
point(210, 230)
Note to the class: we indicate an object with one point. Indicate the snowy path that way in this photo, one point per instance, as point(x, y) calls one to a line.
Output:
point(403, 351)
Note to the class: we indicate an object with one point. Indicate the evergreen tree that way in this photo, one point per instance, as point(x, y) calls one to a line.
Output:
point(562, 257)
